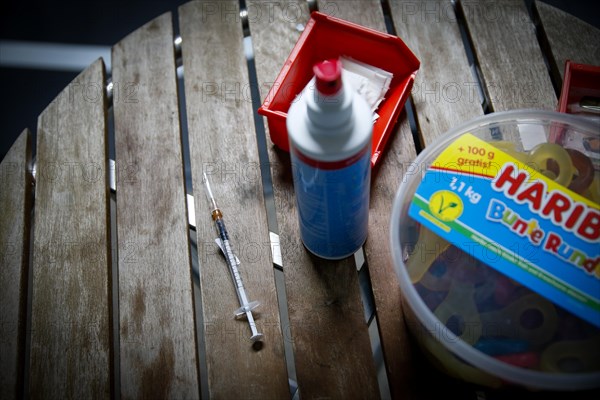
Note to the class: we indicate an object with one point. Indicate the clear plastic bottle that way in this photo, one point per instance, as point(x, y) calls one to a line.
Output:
point(330, 128)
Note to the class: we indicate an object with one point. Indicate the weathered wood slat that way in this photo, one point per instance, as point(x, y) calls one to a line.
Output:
point(363, 12)
point(445, 93)
point(223, 144)
point(568, 37)
point(367, 13)
point(158, 352)
point(385, 181)
point(15, 203)
point(386, 289)
point(508, 55)
point(71, 327)
point(274, 31)
point(330, 339)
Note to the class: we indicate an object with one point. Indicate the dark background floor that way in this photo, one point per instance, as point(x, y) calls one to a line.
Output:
point(26, 92)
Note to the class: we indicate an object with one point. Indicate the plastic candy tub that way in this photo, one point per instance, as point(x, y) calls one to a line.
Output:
point(484, 244)
point(325, 38)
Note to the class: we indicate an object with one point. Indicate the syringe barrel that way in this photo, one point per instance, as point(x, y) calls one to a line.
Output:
point(231, 259)
point(221, 231)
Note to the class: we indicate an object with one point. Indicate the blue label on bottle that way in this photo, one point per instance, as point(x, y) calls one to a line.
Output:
point(333, 203)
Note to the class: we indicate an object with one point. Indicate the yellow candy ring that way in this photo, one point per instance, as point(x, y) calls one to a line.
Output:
point(459, 304)
point(581, 355)
point(541, 154)
point(422, 257)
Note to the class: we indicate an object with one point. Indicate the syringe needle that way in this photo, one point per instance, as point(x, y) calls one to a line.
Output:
point(209, 193)
point(246, 307)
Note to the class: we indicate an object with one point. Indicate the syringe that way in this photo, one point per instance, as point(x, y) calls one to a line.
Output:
point(246, 307)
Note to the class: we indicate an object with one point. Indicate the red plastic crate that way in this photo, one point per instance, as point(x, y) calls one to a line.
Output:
point(580, 80)
point(326, 37)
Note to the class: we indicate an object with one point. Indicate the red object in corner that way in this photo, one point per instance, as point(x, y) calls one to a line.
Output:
point(580, 80)
point(326, 38)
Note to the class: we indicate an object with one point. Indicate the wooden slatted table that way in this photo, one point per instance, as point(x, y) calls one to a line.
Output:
point(102, 303)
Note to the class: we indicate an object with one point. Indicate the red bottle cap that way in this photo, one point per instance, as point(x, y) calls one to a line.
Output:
point(329, 76)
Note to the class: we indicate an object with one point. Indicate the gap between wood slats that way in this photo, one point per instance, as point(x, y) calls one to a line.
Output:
point(468, 45)
point(409, 106)
point(267, 182)
point(28, 288)
point(110, 126)
point(183, 121)
point(473, 61)
point(563, 37)
point(517, 87)
point(553, 69)
point(15, 223)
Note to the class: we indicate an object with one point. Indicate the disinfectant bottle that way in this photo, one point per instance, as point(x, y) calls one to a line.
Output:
point(330, 127)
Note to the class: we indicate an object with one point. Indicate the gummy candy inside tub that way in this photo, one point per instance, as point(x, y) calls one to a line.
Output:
point(495, 240)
